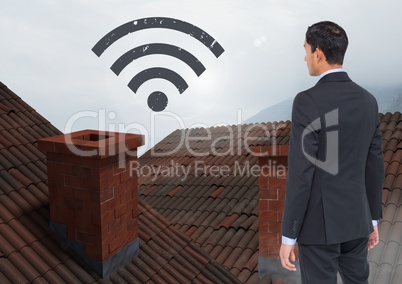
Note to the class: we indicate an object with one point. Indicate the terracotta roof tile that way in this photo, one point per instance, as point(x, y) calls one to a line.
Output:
point(10, 272)
point(191, 268)
point(233, 257)
point(11, 207)
point(174, 202)
point(387, 134)
point(230, 233)
point(24, 267)
point(253, 244)
point(186, 270)
point(216, 251)
point(20, 230)
point(39, 193)
point(397, 156)
point(389, 212)
point(139, 274)
point(43, 280)
point(35, 260)
point(156, 256)
point(202, 220)
point(172, 213)
point(209, 219)
point(202, 238)
point(243, 259)
point(394, 198)
point(389, 181)
point(29, 135)
point(123, 275)
point(5, 142)
point(5, 187)
point(4, 162)
point(71, 272)
point(32, 152)
point(5, 247)
point(385, 255)
point(147, 271)
point(216, 236)
point(34, 172)
point(29, 253)
point(16, 173)
point(237, 238)
point(383, 275)
point(175, 191)
point(393, 168)
point(47, 255)
point(4, 124)
point(216, 192)
point(246, 276)
point(21, 201)
point(384, 196)
point(202, 203)
point(397, 274)
point(33, 221)
point(228, 221)
point(6, 109)
point(244, 221)
point(395, 236)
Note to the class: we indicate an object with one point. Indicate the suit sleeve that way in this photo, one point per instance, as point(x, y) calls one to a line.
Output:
point(303, 140)
point(375, 175)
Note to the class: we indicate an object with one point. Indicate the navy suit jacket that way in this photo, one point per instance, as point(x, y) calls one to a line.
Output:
point(336, 170)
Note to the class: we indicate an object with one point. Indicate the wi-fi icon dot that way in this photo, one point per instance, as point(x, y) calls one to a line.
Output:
point(157, 101)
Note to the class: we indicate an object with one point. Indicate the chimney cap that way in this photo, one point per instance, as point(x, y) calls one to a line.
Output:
point(92, 143)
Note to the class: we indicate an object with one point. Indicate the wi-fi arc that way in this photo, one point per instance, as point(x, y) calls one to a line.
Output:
point(158, 48)
point(157, 101)
point(158, 72)
point(158, 22)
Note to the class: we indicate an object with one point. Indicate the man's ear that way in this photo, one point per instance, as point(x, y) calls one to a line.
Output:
point(319, 55)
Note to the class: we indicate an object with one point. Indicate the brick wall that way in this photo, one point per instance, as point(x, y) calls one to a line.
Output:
point(272, 182)
point(93, 196)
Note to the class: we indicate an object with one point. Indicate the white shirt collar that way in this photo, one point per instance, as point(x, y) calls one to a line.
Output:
point(331, 71)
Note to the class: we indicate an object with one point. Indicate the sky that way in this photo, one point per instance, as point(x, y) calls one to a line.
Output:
point(46, 58)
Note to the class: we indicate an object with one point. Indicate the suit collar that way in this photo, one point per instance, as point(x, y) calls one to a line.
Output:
point(334, 77)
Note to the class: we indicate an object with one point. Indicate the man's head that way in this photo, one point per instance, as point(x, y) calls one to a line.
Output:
point(326, 43)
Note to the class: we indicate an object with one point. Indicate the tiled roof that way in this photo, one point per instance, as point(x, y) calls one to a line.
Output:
point(207, 188)
point(28, 251)
point(201, 226)
point(386, 258)
point(219, 212)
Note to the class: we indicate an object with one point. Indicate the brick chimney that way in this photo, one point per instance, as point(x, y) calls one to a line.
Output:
point(273, 163)
point(93, 196)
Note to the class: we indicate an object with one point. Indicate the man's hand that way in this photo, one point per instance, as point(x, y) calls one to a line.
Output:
point(374, 238)
point(287, 254)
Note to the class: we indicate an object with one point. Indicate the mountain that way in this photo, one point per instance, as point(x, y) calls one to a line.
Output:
point(389, 100)
point(277, 112)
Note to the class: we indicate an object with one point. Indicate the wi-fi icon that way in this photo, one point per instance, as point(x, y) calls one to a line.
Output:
point(157, 101)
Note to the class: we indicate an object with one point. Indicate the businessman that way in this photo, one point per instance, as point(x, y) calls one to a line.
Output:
point(335, 178)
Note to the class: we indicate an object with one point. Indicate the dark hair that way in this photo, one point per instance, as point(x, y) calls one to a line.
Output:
point(330, 38)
